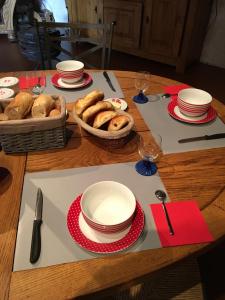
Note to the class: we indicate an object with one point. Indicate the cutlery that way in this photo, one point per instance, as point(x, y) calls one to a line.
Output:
point(161, 195)
point(105, 74)
point(204, 137)
point(38, 88)
point(36, 234)
point(168, 95)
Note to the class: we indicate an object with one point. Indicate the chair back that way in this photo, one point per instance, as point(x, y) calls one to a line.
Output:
point(79, 41)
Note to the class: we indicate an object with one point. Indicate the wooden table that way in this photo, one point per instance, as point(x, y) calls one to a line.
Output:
point(196, 175)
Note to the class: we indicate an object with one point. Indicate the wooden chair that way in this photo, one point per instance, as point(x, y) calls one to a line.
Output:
point(84, 40)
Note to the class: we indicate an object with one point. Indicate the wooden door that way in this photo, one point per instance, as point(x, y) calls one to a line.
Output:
point(127, 16)
point(163, 26)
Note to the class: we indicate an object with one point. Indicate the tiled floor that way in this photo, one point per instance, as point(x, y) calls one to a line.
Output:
point(212, 79)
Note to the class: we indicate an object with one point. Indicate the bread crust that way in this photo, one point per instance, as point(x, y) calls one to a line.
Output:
point(20, 106)
point(88, 100)
point(118, 122)
point(42, 106)
point(103, 117)
point(91, 111)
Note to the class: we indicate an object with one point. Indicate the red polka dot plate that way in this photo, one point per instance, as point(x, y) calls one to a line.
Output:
point(120, 242)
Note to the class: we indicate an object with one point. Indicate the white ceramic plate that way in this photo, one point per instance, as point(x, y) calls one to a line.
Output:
point(6, 93)
point(117, 103)
point(8, 81)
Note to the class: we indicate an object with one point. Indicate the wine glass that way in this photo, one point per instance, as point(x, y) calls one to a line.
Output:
point(141, 84)
point(150, 151)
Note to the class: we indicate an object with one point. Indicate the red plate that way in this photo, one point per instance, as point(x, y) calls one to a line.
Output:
point(56, 81)
point(176, 114)
point(125, 242)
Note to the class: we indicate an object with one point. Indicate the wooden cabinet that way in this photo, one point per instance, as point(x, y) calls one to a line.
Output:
point(168, 31)
point(127, 18)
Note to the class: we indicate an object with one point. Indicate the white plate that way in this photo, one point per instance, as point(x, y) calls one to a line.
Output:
point(117, 103)
point(6, 93)
point(8, 81)
point(97, 236)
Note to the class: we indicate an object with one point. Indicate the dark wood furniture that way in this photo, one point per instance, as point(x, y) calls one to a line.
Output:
point(167, 31)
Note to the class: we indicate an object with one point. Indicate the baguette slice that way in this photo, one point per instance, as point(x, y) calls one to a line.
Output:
point(20, 106)
point(91, 111)
point(87, 101)
point(118, 122)
point(42, 106)
point(103, 117)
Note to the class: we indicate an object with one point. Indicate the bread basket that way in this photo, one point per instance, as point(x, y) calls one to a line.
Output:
point(112, 139)
point(34, 134)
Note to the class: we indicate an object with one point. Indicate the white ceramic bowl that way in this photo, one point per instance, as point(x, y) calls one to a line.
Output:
point(108, 206)
point(70, 71)
point(193, 102)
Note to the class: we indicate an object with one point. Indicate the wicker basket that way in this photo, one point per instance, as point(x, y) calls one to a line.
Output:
point(34, 134)
point(109, 139)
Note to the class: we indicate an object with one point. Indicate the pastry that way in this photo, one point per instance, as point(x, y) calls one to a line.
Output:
point(103, 117)
point(54, 113)
point(87, 101)
point(20, 106)
point(91, 111)
point(3, 117)
point(42, 106)
point(118, 122)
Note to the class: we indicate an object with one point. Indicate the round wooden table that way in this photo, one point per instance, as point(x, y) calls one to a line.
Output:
point(196, 175)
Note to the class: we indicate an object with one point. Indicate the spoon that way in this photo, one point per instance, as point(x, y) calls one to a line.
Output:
point(161, 195)
point(37, 89)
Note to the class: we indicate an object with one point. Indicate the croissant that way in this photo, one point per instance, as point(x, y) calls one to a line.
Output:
point(91, 111)
point(103, 117)
point(87, 101)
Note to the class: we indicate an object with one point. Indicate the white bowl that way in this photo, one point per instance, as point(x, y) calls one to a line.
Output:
point(70, 71)
point(108, 206)
point(193, 102)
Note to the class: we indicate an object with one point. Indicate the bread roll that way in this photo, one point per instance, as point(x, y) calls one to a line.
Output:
point(54, 113)
point(3, 117)
point(42, 106)
point(103, 117)
point(20, 106)
point(118, 122)
point(91, 111)
point(87, 101)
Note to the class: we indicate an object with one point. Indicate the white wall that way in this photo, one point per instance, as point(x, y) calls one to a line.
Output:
point(58, 8)
point(213, 52)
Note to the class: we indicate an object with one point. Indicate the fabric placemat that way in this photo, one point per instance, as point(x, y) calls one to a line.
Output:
point(157, 118)
point(98, 82)
point(60, 189)
point(187, 221)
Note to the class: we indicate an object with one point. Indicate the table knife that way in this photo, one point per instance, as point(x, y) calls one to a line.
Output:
point(36, 234)
point(105, 74)
point(204, 137)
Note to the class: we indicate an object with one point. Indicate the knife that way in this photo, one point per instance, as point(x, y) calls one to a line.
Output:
point(105, 74)
point(36, 234)
point(204, 137)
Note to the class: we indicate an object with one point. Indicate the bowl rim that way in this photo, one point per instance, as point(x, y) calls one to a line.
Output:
point(117, 225)
point(179, 96)
point(59, 67)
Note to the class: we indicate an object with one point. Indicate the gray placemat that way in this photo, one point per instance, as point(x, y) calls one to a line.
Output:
point(98, 82)
point(157, 118)
point(59, 189)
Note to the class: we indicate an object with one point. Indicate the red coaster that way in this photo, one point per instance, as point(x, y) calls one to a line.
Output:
point(129, 239)
point(187, 221)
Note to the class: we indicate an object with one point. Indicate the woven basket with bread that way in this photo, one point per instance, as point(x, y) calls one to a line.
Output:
point(99, 118)
point(32, 123)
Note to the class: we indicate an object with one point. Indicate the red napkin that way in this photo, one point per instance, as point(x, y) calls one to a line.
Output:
point(28, 82)
point(187, 221)
point(174, 89)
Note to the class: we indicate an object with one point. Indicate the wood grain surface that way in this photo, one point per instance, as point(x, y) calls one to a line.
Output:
point(198, 175)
